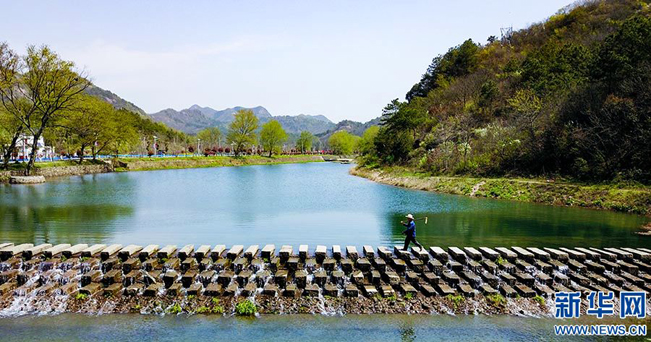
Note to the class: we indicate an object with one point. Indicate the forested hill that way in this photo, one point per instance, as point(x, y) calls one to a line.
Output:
point(569, 96)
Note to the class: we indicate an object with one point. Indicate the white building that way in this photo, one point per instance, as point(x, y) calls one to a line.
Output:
point(24, 148)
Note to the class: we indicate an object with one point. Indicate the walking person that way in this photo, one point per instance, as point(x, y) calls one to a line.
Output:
point(410, 232)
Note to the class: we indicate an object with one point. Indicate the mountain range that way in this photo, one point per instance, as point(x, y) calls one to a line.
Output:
point(195, 118)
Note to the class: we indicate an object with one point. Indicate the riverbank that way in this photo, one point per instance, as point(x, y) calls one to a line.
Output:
point(634, 200)
point(72, 168)
point(146, 164)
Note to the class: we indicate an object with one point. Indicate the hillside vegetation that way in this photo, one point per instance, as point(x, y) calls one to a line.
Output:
point(570, 97)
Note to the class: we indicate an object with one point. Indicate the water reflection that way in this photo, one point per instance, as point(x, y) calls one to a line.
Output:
point(285, 204)
point(53, 224)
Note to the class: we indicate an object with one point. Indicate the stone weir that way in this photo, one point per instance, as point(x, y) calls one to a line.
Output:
point(214, 279)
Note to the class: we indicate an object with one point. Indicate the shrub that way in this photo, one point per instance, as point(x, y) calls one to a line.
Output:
point(540, 300)
point(203, 310)
point(245, 308)
point(81, 296)
point(456, 300)
point(175, 309)
point(496, 299)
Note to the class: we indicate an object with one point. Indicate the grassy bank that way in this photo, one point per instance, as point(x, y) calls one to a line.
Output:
point(616, 197)
point(144, 164)
point(69, 168)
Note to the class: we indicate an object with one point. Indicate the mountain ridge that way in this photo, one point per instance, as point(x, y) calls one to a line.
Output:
point(195, 118)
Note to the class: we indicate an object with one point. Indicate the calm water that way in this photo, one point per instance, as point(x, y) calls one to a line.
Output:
point(317, 203)
point(302, 328)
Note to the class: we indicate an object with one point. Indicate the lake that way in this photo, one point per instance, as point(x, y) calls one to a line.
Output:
point(313, 203)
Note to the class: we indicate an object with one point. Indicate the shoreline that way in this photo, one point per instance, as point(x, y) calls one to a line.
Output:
point(71, 168)
point(599, 197)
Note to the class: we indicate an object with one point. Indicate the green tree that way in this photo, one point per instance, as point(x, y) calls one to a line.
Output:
point(10, 127)
point(241, 132)
point(89, 124)
point(272, 136)
point(125, 132)
point(366, 144)
point(211, 136)
point(343, 143)
point(304, 142)
point(38, 88)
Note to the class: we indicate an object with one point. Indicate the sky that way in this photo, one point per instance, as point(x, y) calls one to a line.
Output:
point(341, 59)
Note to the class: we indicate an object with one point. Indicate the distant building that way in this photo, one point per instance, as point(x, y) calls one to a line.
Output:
point(24, 148)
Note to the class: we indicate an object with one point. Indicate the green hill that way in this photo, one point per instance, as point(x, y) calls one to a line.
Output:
point(568, 96)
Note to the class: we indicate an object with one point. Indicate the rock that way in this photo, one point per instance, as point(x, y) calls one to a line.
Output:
point(26, 179)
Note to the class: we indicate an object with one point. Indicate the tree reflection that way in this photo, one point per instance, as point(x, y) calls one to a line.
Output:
point(60, 224)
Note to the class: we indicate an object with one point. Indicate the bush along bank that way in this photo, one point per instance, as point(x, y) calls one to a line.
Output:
point(635, 200)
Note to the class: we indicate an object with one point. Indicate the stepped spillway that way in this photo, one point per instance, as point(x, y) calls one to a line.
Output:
point(282, 279)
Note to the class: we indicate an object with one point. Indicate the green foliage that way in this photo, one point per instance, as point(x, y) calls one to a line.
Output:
point(211, 137)
point(500, 260)
point(81, 296)
point(343, 143)
point(305, 141)
point(566, 97)
point(409, 296)
point(202, 310)
point(540, 300)
point(456, 300)
point(241, 131)
point(272, 137)
point(496, 300)
point(245, 308)
point(175, 309)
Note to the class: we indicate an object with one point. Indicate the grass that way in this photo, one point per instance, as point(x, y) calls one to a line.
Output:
point(496, 300)
point(245, 308)
point(202, 310)
point(175, 309)
point(409, 296)
point(81, 296)
point(540, 300)
point(144, 164)
point(59, 163)
point(456, 300)
point(629, 197)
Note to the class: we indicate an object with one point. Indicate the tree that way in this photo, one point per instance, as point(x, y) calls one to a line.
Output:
point(272, 136)
point(89, 125)
point(304, 142)
point(343, 143)
point(366, 144)
point(124, 128)
point(241, 132)
point(10, 127)
point(211, 136)
point(528, 105)
point(38, 88)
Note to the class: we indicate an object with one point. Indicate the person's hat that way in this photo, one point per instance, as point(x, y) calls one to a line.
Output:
point(410, 216)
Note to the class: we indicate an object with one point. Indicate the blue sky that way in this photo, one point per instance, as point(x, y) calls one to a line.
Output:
point(342, 59)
